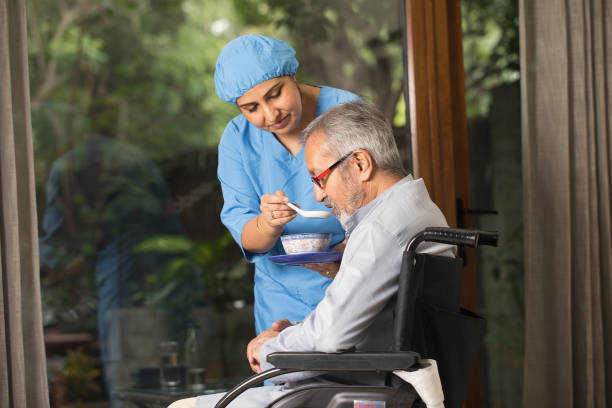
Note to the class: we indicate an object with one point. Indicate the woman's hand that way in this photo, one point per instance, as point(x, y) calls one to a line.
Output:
point(260, 233)
point(274, 211)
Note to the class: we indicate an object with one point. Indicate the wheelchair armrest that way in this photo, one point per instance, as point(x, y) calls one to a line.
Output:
point(349, 361)
point(290, 362)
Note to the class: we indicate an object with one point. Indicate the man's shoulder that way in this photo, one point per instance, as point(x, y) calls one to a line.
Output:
point(406, 211)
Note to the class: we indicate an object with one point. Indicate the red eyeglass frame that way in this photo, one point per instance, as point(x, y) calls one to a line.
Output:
point(317, 179)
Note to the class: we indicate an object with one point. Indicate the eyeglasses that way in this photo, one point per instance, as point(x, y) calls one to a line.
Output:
point(317, 179)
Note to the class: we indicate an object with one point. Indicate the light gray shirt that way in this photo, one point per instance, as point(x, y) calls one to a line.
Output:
point(356, 311)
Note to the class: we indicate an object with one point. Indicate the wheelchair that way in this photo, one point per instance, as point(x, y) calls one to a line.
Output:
point(428, 324)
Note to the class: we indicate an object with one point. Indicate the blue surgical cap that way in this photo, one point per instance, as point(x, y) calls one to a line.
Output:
point(249, 60)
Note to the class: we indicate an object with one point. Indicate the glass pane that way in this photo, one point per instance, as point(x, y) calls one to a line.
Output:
point(126, 124)
point(491, 58)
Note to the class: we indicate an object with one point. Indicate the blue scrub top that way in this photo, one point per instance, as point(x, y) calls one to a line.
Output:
point(252, 162)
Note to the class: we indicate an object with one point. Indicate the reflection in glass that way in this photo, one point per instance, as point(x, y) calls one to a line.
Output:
point(104, 197)
point(126, 125)
point(169, 367)
point(491, 58)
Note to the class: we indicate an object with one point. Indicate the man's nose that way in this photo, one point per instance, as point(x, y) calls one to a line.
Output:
point(319, 193)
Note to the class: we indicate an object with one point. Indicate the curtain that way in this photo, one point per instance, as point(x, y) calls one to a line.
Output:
point(23, 381)
point(566, 85)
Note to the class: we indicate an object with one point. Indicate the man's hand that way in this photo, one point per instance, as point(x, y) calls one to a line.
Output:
point(257, 342)
point(281, 325)
point(329, 270)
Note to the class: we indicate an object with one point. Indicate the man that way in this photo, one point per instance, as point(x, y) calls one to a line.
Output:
point(356, 169)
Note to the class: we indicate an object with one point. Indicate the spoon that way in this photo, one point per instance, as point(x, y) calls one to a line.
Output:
point(309, 214)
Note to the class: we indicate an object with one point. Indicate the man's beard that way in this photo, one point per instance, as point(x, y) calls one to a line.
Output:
point(353, 198)
point(341, 215)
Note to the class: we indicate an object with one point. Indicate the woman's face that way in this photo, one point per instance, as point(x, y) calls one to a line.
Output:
point(274, 105)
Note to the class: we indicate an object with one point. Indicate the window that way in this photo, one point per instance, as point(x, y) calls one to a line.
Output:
point(125, 124)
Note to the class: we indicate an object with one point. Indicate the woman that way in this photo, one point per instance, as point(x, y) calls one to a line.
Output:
point(262, 167)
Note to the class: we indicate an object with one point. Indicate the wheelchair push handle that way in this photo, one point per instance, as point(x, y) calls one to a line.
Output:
point(455, 236)
point(489, 238)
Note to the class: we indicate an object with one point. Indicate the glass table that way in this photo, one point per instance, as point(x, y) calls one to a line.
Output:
point(157, 397)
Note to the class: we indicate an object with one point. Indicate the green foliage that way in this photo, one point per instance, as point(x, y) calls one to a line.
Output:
point(194, 275)
point(69, 297)
point(354, 45)
point(152, 62)
point(79, 378)
point(490, 49)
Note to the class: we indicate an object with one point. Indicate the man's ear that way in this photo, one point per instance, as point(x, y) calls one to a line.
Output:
point(364, 164)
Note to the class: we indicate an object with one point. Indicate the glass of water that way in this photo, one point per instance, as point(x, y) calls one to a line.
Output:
point(196, 378)
point(169, 369)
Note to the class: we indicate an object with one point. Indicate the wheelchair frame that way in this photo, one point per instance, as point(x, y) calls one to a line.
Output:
point(399, 358)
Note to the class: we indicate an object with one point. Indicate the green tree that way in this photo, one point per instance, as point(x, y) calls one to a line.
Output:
point(490, 49)
point(151, 62)
point(354, 45)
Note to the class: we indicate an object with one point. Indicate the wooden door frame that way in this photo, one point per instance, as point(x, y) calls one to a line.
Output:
point(438, 122)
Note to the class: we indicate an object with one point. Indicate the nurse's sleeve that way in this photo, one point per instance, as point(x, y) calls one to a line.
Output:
point(240, 200)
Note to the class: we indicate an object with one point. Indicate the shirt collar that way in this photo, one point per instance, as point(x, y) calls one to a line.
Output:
point(364, 211)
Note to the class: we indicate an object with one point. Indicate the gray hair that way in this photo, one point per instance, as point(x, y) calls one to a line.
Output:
point(351, 126)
